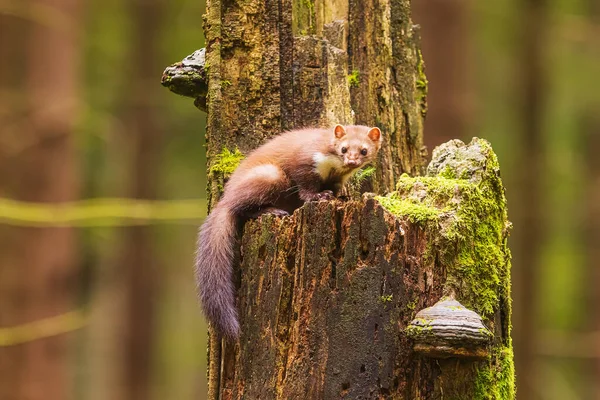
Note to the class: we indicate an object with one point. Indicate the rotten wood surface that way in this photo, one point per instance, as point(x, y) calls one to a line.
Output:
point(324, 299)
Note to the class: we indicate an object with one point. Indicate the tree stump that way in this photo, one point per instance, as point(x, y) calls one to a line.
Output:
point(328, 296)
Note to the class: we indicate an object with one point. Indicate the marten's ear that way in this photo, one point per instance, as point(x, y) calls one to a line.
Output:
point(374, 134)
point(339, 131)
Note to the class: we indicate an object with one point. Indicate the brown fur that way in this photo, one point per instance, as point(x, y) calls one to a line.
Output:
point(277, 177)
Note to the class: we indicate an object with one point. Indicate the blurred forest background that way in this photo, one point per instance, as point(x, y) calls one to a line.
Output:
point(97, 298)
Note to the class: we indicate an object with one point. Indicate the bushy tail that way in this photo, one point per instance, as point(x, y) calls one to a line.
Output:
point(214, 270)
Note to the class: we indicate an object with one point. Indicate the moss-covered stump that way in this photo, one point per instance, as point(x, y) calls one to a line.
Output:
point(325, 296)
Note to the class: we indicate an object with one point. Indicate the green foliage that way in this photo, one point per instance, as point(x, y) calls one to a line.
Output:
point(100, 212)
point(304, 19)
point(310, 6)
point(43, 328)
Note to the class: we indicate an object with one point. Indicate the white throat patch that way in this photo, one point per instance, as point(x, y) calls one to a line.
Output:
point(326, 163)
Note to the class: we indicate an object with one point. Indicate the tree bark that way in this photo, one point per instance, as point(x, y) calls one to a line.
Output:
point(325, 295)
point(38, 274)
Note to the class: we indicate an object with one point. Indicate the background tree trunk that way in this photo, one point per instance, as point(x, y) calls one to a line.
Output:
point(591, 235)
point(140, 266)
point(591, 228)
point(38, 266)
point(529, 208)
point(446, 37)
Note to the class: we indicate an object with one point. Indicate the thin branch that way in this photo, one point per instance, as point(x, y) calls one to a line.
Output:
point(188, 78)
point(101, 212)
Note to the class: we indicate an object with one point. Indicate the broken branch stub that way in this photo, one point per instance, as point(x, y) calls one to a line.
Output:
point(188, 78)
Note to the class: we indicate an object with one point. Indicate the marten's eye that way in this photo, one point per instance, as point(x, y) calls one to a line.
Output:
point(363, 152)
point(344, 149)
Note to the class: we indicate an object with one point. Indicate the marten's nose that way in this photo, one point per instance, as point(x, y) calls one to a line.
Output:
point(352, 163)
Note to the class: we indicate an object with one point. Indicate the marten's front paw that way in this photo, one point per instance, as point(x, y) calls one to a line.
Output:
point(324, 195)
point(277, 212)
point(311, 196)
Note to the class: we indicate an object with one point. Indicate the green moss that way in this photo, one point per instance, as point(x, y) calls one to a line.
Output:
point(413, 210)
point(422, 330)
point(448, 173)
point(354, 78)
point(386, 299)
point(226, 162)
point(496, 378)
point(412, 305)
point(225, 83)
point(359, 178)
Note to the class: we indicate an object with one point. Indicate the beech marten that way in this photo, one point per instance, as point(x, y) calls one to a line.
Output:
point(278, 177)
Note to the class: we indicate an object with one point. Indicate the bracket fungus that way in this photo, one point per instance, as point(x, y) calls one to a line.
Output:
point(448, 329)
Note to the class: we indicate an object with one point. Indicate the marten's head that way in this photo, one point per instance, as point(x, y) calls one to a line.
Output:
point(356, 145)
